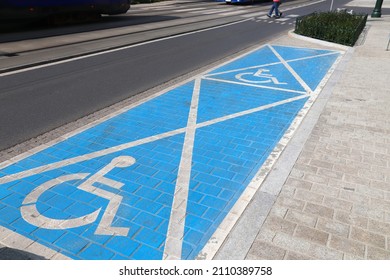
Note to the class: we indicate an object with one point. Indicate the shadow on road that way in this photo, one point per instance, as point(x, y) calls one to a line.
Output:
point(18, 31)
point(7, 253)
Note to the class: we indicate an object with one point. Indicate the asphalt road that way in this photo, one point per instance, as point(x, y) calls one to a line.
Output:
point(38, 100)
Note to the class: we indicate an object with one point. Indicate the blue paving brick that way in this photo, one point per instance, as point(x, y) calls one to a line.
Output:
point(79, 209)
point(52, 212)
point(187, 250)
point(150, 238)
point(166, 176)
point(127, 212)
point(90, 235)
point(148, 206)
point(208, 189)
point(21, 188)
point(25, 228)
point(60, 202)
point(13, 200)
point(165, 199)
point(223, 173)
point(195, 208)
point(12, 169)
point(229, 185)
point(224, 163)
point(165, 187)
point(146, 170)
point(226, 195)
point(96, 252)
point(205, 178)
point(148, 193)
point(241, 177)
point(166, 157)
point(214, 202)
point(163, 166)
point(4, 193)
point(197, 223)
point(209, 155)
point(193, 236)
point(82, 196)
point(147, 253)
point(238, 169)
point(202, 158)
point(119, 258)
point(162, 229)
point(148, 181)
point(122, 245)
point(148, 220)
point(195, 196)
point(212, 214)
point(164, 212)
point(129, 190)
point(71, 243)
point(49, 236)
point(8, 215)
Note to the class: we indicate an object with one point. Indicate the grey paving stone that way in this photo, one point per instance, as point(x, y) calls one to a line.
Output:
point(333, 227)
point(311, 234)
point(261, 250)
point(367, 237)
point(347, 246)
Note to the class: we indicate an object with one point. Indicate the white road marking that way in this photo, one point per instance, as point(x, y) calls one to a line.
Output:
point(175, 233)
point(117, 49)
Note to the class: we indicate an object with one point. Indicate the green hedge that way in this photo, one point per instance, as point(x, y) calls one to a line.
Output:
point(338, 27)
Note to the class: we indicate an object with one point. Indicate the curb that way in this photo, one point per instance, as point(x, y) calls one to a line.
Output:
point(317, 41)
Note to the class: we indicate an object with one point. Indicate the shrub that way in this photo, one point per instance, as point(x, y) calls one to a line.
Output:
point(338, 27)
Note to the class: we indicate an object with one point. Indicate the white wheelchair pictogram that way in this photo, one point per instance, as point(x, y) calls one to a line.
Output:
point(31, 214)
point(261, 76)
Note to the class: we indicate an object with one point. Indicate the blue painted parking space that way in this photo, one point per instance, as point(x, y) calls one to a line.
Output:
point(156, 180)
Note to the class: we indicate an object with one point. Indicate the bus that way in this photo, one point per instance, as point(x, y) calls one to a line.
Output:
point(32, 9)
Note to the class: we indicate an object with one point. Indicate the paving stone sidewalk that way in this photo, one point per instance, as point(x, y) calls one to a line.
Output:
point(335, 203)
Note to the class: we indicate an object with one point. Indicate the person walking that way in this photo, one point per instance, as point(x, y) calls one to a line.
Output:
point(275, 7)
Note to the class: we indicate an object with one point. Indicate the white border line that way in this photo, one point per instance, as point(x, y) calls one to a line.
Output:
point(118, 49)
point(175, 232)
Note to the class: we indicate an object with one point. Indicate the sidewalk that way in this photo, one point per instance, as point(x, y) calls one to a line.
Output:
point(335, 202)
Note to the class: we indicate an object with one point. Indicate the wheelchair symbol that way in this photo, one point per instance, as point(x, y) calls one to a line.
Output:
point(261, 76)
point(31, 214)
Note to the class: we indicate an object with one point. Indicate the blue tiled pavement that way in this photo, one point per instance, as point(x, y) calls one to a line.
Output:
point(244, 109)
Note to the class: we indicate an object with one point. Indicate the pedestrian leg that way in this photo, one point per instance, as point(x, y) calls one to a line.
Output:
point(272, 9)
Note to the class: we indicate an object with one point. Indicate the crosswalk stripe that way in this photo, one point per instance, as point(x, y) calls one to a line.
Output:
point(232, 13)
point(190, 10)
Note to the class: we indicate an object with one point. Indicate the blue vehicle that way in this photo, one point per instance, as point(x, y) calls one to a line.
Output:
point(239, 1)
point(243, 1)
point(30, 9)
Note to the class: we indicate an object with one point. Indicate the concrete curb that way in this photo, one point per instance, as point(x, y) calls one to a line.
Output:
point(317, 41)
